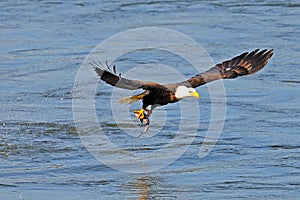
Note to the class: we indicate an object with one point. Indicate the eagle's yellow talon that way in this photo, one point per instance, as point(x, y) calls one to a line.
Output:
point(139, 114)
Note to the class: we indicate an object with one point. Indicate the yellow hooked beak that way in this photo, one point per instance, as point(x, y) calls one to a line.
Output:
point(195, 94)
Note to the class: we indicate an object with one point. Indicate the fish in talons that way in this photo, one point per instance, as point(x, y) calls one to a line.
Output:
point(144, 119)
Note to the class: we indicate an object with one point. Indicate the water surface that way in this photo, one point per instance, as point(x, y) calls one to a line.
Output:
point(43, 45)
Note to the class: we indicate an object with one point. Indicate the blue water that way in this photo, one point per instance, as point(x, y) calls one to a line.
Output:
point(43, 44)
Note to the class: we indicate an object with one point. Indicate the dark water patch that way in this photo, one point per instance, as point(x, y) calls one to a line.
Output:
point(60, 94)
point(285, 147)
point(154, 6)
point(290, 81)
point(7, 185)
point(53, 3)
point(33, 139)
point(46, 126)
point(256, 4)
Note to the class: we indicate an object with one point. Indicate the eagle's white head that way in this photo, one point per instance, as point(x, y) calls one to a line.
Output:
point(183, 92)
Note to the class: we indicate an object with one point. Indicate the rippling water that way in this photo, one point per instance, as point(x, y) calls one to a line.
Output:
point(43, 45)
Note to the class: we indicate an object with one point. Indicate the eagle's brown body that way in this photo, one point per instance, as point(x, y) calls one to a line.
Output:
point(165, 96)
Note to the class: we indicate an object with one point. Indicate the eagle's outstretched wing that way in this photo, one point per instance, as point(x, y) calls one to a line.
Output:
point(111, 77)
point(244, 64)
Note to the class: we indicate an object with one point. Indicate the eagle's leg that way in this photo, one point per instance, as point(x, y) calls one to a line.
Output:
point(148, 111)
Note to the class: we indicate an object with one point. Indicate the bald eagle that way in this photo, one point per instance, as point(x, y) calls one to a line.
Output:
point(156, 94)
